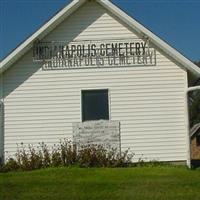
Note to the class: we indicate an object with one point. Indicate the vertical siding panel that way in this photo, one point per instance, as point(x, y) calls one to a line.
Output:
point(1, 124)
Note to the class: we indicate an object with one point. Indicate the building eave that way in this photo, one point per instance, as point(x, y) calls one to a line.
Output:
point(154, 39)
point(194, 129)
point(40, 34)
point(132, 23)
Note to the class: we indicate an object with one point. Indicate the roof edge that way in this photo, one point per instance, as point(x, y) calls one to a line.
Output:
point(194, 129)
point(132, 23)
point(154, 39)
point(40, 33)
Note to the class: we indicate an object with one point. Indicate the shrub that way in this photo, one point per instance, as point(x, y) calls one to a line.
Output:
point(45, 155)
point(99, 156)
point(66, 154)
point(56, 159)
point(11, 165)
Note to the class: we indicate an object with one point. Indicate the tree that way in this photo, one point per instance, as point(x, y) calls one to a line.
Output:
point(194, 103)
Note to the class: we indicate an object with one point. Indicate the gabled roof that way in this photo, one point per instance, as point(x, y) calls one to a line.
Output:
point(132, 23)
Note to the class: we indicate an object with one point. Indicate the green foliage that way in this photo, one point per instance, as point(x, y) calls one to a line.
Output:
point(194, 105)
point(152, 163)
point(98, 156)
point(11, 165)
point(66, 154)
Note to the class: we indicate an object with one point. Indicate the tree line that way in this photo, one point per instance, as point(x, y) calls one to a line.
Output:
point(194, 103)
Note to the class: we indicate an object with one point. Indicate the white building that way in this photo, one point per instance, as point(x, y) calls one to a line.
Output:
point(97, 53)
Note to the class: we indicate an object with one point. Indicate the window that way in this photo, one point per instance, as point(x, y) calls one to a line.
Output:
point(95, 105)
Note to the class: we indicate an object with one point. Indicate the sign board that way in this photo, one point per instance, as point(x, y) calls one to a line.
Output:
point(90, 54)
point(106, 133)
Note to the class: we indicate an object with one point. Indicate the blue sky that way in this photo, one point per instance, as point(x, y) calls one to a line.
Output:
point(175, 21)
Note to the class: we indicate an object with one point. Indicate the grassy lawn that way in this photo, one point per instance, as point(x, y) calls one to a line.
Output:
point(155, 183)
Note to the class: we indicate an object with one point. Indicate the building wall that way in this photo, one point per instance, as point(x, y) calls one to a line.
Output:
point(148, 101)
point(195, 150)
point(1, 122)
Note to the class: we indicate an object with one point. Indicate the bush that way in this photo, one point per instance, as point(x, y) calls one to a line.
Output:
point(66, 154)
point(11, 165)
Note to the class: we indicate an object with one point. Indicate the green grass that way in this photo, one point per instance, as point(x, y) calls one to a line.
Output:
point(153, 183)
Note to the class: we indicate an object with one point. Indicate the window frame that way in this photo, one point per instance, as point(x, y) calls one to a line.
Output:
point(82, 101)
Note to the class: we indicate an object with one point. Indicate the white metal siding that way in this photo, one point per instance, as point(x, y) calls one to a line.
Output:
point(1, 132)
point(1, 123)
point(148, 101)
